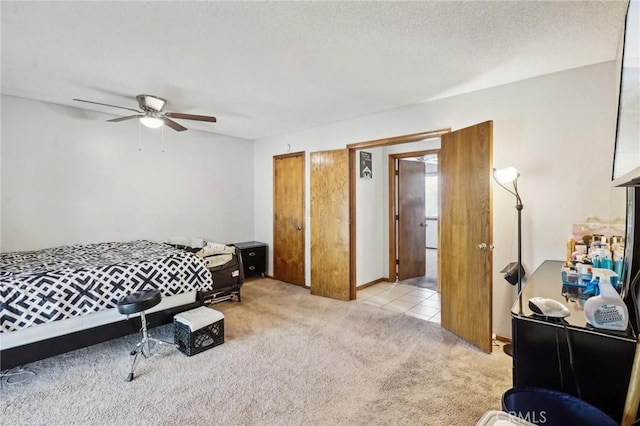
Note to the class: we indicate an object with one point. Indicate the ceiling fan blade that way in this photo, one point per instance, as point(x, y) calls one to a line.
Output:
point(175, 126)
point(191, 116)
point(128, 117)
point(109, 105)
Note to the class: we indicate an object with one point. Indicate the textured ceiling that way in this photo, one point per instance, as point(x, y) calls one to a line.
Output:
point(269, 68)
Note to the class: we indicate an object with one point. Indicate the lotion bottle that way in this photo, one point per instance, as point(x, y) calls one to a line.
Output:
point(606, 311)
point(571, 247)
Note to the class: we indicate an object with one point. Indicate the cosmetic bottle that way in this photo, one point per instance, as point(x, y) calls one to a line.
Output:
point(571, 247)
point(607, 310)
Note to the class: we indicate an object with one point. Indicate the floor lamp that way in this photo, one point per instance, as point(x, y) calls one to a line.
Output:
point(504, 177)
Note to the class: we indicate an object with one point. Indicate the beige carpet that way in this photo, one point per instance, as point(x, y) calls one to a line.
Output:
point(290, 358)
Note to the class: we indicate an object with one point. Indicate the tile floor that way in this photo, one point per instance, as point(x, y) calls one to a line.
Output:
point(418, 302)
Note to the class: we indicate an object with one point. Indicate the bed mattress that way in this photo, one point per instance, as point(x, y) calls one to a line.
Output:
point(39, 287)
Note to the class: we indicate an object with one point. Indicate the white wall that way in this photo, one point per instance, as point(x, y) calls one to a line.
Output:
point(69, 177)
point(558, 130)
point(370, 225)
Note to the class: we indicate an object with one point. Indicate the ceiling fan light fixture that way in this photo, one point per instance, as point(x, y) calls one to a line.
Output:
point(152, 115)
point(151, 122)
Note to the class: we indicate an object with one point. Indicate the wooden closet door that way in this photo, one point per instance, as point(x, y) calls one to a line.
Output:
point(330, 227)
point(288, 218)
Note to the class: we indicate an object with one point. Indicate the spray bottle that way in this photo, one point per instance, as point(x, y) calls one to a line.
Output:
point(607, 310)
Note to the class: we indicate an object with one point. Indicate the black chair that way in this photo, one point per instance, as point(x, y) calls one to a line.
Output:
point(133, 303)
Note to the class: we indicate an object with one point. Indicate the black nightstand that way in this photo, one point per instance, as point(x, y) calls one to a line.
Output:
point(254, 257)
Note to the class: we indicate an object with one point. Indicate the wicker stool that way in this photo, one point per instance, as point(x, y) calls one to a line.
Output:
point(133, 303)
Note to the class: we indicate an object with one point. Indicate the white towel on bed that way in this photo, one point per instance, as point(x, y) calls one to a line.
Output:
point(193, 242)
point(211, 249)
point(217, 260)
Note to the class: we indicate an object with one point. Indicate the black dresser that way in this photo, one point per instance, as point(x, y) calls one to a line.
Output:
point(569, 355)
point(254, 257)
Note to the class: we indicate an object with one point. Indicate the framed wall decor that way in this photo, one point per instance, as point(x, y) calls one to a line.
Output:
point(365, 165)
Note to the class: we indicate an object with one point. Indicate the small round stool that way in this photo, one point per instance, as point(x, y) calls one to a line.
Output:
point(133, 303)
point(139, 301)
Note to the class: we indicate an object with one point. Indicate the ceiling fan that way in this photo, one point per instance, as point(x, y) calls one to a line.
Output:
point(151, 113)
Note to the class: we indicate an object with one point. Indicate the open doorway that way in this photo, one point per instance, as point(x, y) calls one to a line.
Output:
point(406, 231)
point(465, 279)
point(415, 200)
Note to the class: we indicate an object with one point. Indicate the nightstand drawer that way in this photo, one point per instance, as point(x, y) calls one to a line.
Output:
point(254, 257)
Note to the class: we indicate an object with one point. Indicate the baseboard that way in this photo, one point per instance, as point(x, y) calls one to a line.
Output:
point(503, 339)
point(371, 283)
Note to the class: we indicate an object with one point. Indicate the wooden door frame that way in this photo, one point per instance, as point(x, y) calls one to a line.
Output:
point(393, 251)
point(414, 137)
point(302, 154)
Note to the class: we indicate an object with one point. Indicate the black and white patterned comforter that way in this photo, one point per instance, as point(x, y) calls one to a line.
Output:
point(62, 282)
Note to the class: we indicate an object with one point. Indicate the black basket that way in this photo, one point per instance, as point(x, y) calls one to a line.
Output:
point(191, 343)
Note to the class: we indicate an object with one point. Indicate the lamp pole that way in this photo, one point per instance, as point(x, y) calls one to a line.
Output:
point(502, 177)
point(519, 208)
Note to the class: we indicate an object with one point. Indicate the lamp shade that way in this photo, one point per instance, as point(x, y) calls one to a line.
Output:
point(151, 122)
point(506, 175)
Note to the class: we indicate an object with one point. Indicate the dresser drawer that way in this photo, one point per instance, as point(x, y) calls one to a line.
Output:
point(254, 257)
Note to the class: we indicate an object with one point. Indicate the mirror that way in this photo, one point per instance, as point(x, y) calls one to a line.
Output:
point(626, 161)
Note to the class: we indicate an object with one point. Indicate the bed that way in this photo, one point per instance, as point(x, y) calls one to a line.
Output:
point(60, 299)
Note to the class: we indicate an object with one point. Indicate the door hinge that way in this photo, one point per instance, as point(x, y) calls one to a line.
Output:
point(397, 217)
point(397, 173)
point(397, 261)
